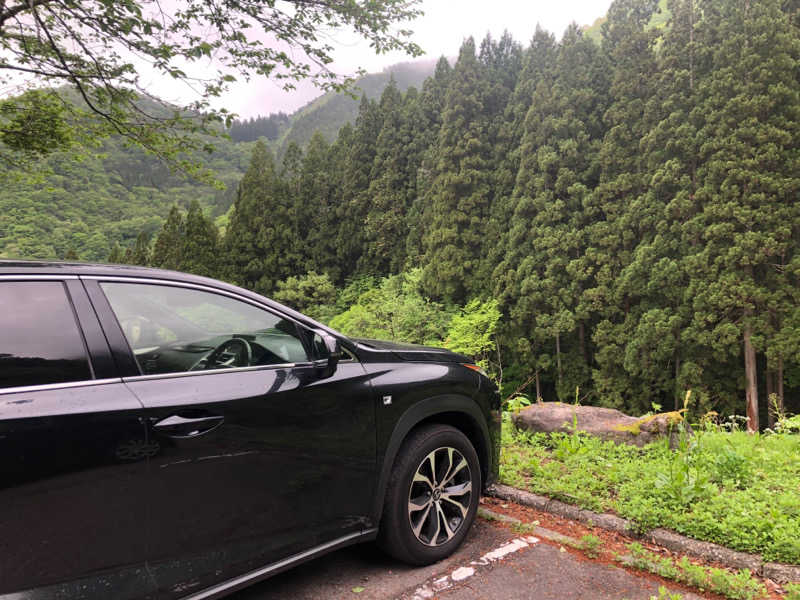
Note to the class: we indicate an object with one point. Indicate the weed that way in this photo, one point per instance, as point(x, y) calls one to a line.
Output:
point(665, 594)
point(738, 586)
point(684, 482)
point(788, 425)
point(524, 528)
point(516, 403)
point(792, 591)
point(732, 466)
point(591, 545)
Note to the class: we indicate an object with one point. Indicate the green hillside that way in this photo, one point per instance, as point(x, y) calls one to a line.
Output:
point(328, 113)
point(85, 206)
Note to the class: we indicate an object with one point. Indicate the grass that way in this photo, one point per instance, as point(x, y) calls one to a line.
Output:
point(589, 544)
point(738, 490)
point(793, 591)
point(736, 586)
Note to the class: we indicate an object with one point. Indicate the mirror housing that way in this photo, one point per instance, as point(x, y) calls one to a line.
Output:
point(327, 366)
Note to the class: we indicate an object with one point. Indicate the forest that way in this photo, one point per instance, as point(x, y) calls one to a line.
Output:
point(611, 218)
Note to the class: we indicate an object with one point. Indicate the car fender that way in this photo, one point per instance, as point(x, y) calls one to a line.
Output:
point(418, 413)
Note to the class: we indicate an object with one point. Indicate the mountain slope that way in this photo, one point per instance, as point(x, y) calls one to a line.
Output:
point(328, 113)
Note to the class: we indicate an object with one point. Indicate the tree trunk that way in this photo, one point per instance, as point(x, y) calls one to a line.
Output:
point(677, 389)
point(770, 391)
point(751, 393)
point(538, 387)
point(582, 340)
point(780, 383)
point(558, 357)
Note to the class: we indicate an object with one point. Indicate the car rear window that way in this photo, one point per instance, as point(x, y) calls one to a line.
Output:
point(40, 342)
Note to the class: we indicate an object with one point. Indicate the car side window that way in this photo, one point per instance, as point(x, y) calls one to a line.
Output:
point(40, 342)
point(175, 329)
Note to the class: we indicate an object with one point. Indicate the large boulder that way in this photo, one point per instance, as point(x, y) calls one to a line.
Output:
point(605, 423)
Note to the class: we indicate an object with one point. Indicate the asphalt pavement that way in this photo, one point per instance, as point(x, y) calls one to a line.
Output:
point(493, 563)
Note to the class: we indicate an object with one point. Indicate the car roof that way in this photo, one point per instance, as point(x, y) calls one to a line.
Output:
point(55, 267)
point(65, 268)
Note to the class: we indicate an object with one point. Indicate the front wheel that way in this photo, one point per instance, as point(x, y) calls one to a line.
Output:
point(432, 496)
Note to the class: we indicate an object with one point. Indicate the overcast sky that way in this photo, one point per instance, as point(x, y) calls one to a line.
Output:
point(439, 32)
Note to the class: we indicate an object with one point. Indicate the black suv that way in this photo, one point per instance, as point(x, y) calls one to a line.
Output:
point(170, 436)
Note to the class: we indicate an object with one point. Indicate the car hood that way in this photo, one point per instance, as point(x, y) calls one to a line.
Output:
point(413, 352)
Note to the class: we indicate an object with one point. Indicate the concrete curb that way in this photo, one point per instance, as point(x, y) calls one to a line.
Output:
point(541, 532)
point(676, 542)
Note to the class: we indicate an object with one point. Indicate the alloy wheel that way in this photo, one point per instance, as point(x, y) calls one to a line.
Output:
point(440, 496)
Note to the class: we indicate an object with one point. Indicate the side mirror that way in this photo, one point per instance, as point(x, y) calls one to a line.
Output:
point(328, 351)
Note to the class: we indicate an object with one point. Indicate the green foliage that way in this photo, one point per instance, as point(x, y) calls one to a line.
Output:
point(514, 404)
point(665, 594)
point(199, 250)
point(168, 248)
point(460, 192)
point(590, 545)
point(759, 513)
point(260, 248)
point(792, 591)
point(740, 585)
point(312, 294)
point(34, 124)
point(789, 424)
point(93, 201)
point(396, 310)
point(472, 332)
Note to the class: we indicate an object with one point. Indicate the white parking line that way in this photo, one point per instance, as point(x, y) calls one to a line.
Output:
point(427, 591)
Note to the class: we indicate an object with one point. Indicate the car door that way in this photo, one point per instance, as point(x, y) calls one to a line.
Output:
point(73, 451)
point(259, 458)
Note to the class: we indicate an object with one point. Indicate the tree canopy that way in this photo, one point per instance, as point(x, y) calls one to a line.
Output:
point(104, 50)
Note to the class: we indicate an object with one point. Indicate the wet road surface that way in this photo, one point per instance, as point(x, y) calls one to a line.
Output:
point(493, 563)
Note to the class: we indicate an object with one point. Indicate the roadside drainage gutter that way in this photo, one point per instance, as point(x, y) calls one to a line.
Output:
point(780, 573)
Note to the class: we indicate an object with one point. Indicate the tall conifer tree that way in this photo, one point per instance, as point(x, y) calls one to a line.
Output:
point(546, 240)
point(748, 229)
point(426, 123)
point(385, 227)
point(168, 248)
point(199, 250)
point(352, 211)
point(460, 192)
point(260, 230)
point(614, 208)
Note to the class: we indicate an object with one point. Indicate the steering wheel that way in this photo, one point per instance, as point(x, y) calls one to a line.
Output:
point(235, 352)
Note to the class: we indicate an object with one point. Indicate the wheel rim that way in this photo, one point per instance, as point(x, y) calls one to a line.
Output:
point(440, 496)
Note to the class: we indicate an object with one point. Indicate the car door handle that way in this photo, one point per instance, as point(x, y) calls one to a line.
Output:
point(176, 426)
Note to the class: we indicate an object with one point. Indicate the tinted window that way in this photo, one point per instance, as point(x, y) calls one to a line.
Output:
point(39, 338)
point(173, 329)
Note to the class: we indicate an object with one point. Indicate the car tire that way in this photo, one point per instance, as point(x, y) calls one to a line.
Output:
point(432, 495)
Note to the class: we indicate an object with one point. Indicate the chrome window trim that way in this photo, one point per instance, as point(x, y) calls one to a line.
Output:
point(135, 378)
point(26, 277)
point(58, 386)
point(237, 583)
point(183, 284)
